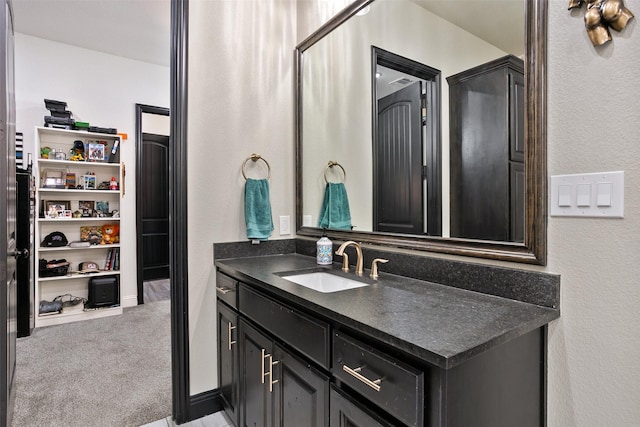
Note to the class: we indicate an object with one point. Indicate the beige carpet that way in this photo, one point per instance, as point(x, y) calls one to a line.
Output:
point(114, 371)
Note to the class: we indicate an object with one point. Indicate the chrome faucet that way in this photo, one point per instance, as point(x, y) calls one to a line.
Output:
point(345, 258)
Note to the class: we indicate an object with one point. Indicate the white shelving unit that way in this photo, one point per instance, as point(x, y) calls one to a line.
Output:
point(76, 284)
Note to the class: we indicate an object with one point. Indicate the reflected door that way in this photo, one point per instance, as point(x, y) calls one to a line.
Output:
point(398, 191)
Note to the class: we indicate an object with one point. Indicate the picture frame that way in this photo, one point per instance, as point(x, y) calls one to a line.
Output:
point(56, 208)
point(86, 207)
point(95, 152)
point(91, 234)
point(89, 182)
point(102, 206)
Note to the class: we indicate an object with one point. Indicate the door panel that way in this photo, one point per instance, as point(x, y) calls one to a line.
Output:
point(398, 195)
point(301, 395)
point(228, 363)
point(155, 206)
point(256, 400)
point(346, 412)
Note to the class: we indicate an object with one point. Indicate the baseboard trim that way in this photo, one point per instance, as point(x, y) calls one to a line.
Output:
point(129, 301)
point(205, 403)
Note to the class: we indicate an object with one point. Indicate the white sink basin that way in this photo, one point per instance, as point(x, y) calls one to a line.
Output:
point(324, 282)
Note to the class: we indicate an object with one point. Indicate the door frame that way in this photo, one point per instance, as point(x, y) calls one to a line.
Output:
point(141, 109)
point(8, 249)
point(178, 258)
point(434, 147)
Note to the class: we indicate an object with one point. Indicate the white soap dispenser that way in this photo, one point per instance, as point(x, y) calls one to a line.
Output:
point(324, 250)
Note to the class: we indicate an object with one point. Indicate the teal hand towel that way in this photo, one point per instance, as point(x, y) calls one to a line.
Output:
point(257, 209)
point(334, 212)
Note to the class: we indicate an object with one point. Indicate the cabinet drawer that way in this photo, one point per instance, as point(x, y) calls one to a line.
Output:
point(309, 336)
point(226, 290)
point(387, 382)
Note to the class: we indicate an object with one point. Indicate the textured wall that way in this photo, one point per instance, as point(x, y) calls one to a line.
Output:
point(240, 102)
point(594, 126)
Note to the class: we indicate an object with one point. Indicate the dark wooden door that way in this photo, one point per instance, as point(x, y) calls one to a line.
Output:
point(255, 400)
point(345, 412)
point(8, 248)
point(155, 206)
point(398, 179)
point(228, 372)
point(301, 393)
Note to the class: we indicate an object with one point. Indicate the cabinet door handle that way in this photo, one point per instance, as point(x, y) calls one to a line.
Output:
point(374, 384)
point(262, 373)
point(230, 328)
point(271, 380)
point(223, 290)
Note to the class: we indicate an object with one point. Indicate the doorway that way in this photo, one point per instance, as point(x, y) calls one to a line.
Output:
point(152, 202)
point(406, 145)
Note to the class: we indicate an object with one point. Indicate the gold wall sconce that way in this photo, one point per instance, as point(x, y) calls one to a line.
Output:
point(602, 15)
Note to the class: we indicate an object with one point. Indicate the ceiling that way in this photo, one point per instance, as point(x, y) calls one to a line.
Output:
point(134, 29)
point(140, 29)
point(498, 22)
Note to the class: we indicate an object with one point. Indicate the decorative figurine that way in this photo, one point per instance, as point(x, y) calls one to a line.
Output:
point(602, 15)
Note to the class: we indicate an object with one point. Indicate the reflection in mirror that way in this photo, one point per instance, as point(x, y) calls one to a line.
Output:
point(427, 116)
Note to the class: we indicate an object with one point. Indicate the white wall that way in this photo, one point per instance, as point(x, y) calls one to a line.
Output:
point(100, 89)
point(240, 102)
point(594, 126)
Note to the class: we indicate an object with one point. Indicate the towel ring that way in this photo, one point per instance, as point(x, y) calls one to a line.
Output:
point(255, 157)
point(330, 165)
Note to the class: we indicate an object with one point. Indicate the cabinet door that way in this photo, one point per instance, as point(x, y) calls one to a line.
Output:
point(345, 412)
point(300, 393)
point(228, 372)
point(256, 351)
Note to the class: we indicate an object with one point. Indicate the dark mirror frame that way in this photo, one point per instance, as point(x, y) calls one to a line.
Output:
point(534, 248)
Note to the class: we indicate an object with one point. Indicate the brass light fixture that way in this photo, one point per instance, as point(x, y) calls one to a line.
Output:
point(602, 15)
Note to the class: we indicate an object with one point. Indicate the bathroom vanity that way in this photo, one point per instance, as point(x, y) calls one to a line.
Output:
point(396, 351)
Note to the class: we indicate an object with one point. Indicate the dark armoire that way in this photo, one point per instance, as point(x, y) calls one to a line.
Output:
point(487, 151)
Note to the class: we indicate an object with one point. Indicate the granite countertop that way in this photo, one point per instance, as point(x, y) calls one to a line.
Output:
point(439, 324)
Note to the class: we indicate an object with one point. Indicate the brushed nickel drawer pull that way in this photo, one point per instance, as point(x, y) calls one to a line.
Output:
point(231, 328)
point(271, 380)
point(262, 351)
point(223, 290)
point(375, 384)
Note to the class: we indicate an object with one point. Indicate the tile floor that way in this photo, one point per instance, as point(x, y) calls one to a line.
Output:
point(219, 419)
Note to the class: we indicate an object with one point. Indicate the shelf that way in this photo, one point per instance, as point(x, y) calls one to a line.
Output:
point(75, 276)
point(67, 248)
point(53, 163)
point(72, 314)
point(76, 133)
point(69, 191)
point(105, 218)
point(75, 283)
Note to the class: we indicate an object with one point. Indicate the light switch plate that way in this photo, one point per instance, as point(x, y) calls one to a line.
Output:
point(595, 195)
point(285, 225)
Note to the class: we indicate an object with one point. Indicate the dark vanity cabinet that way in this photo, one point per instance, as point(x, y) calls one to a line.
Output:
point(487, 151)
point(282, 363)
point(263, 383)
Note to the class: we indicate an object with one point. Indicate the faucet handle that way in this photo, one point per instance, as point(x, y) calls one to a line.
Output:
point(345, 261)
point(374, 267)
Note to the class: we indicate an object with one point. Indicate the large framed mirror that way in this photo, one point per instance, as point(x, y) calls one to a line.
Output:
point(432, 126)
